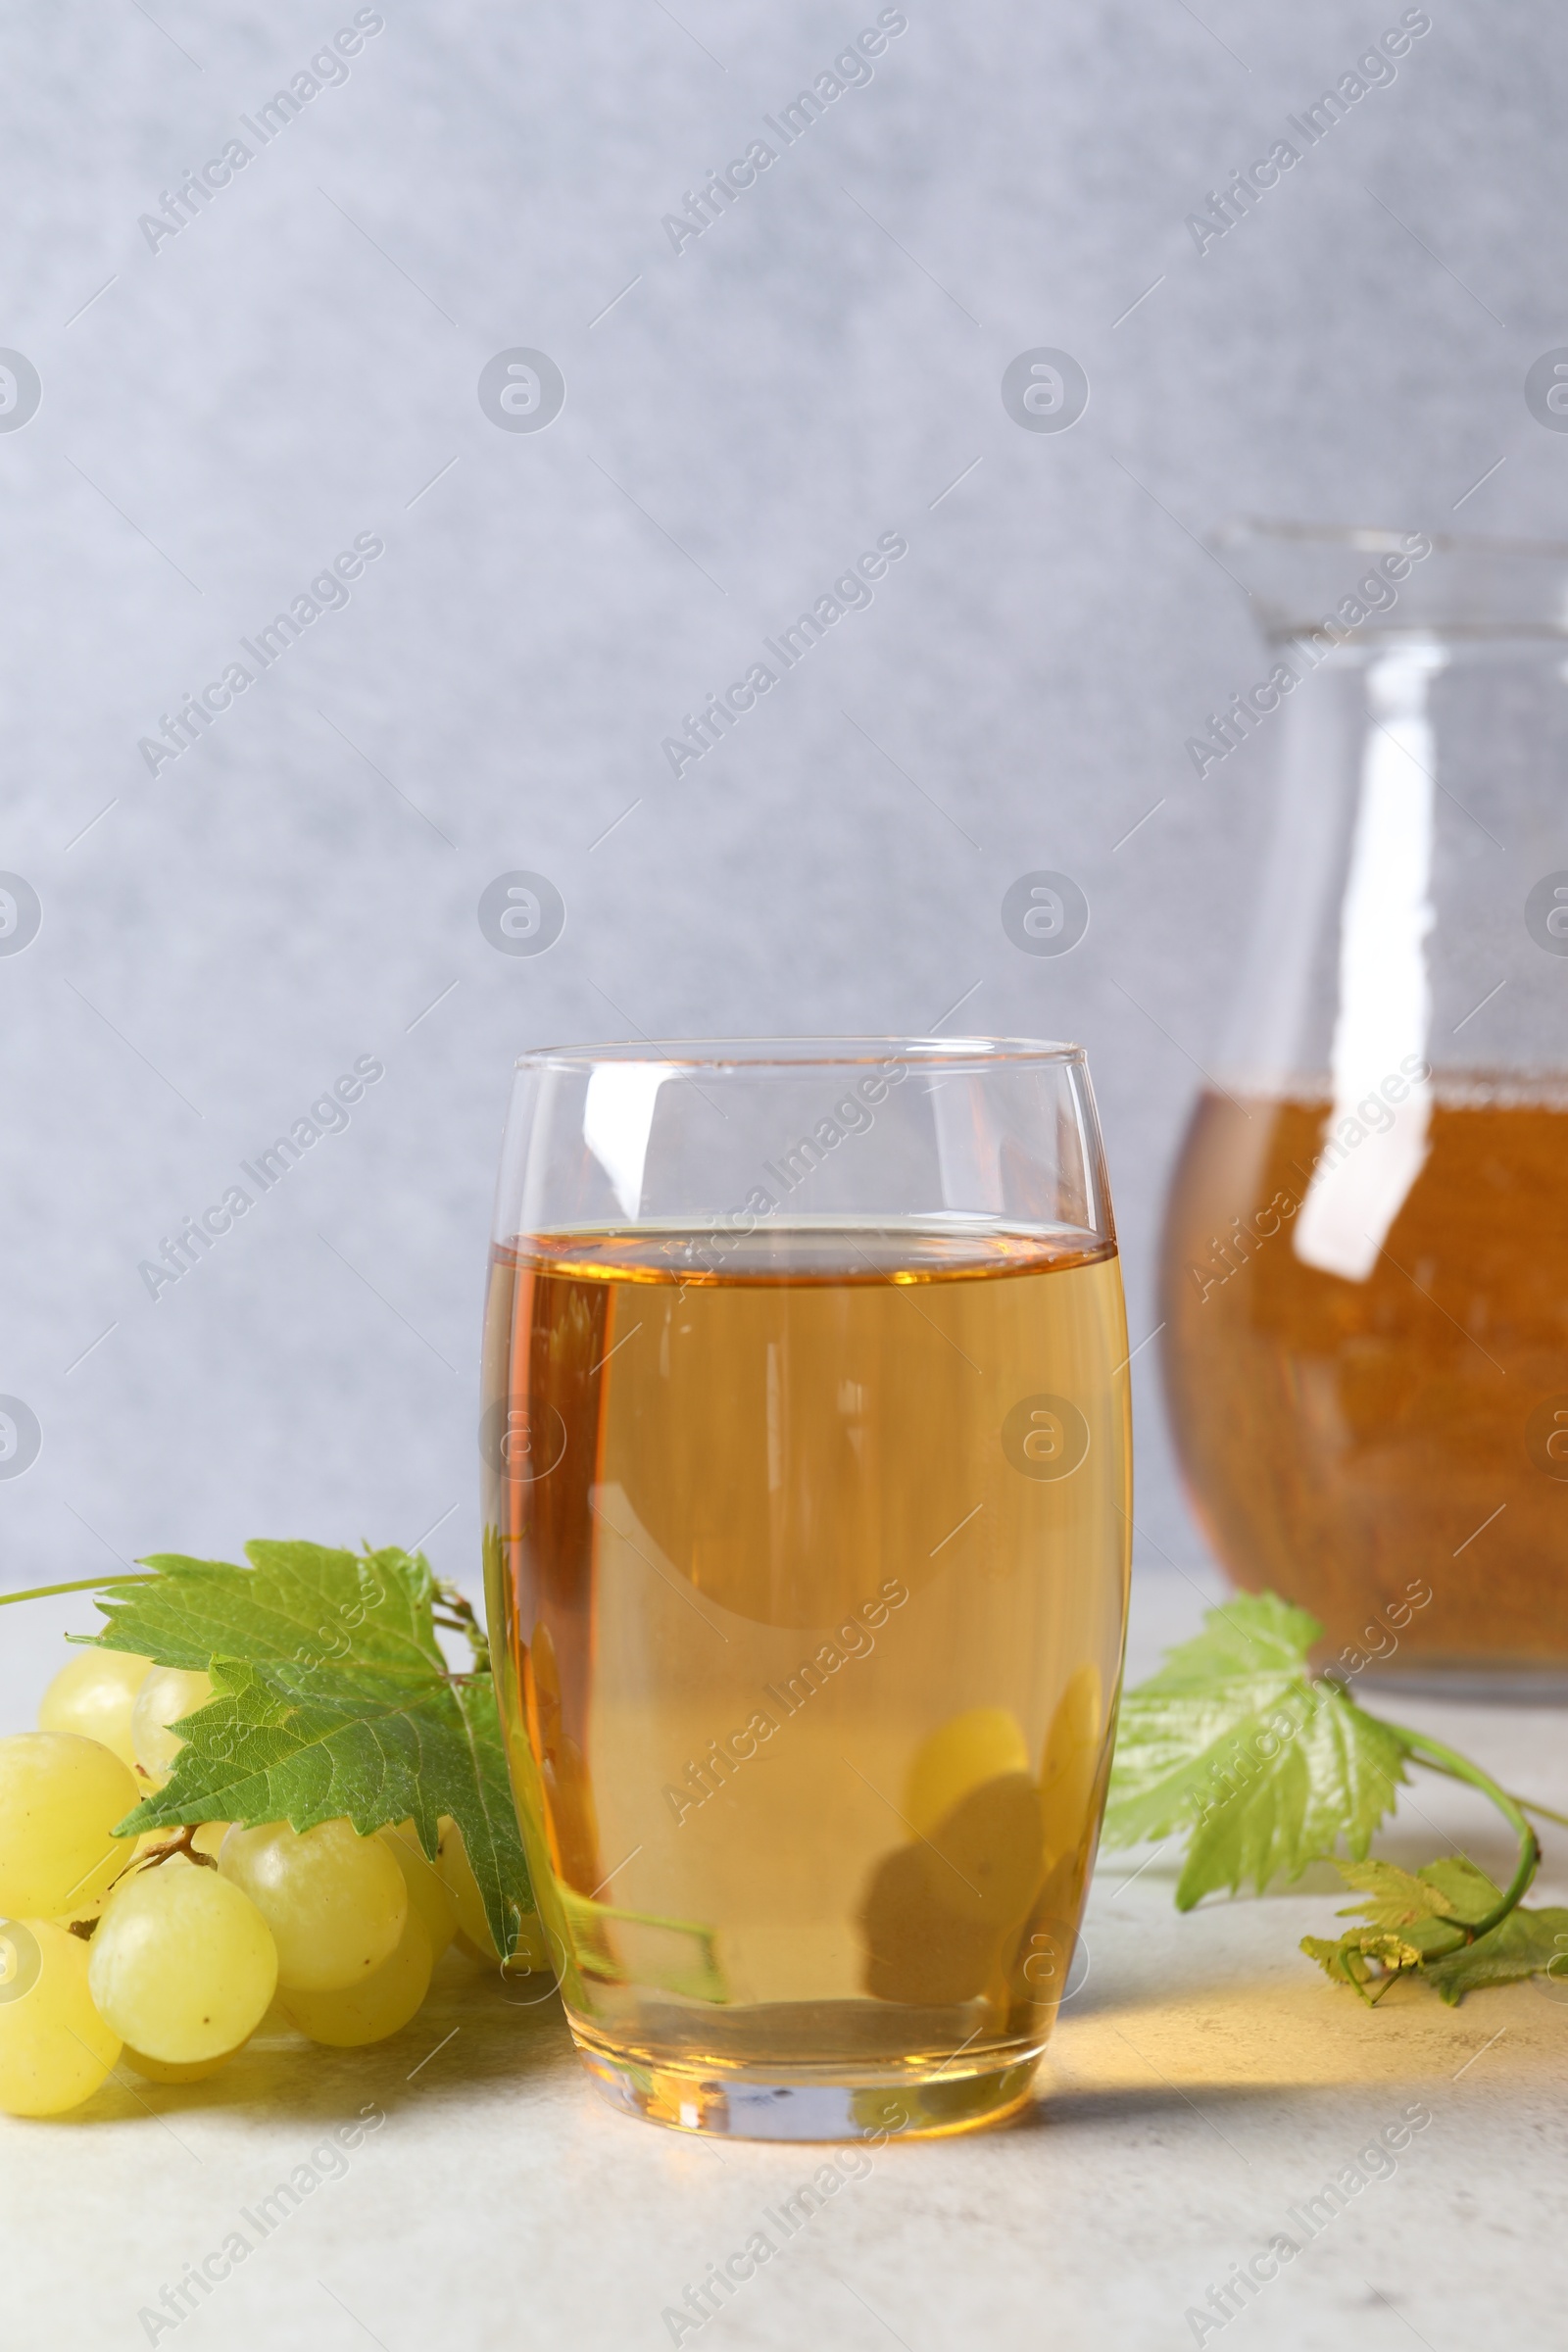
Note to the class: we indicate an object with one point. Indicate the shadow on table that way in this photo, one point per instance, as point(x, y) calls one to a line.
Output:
point(1139, 2050)
point(1139, 2102)
point(1276, 2034)
point(476, 2031)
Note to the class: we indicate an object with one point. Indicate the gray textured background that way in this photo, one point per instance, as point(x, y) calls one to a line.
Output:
point(297, 365)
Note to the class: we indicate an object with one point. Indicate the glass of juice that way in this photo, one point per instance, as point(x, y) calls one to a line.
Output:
point(1365, 1263)
point(807, 1471)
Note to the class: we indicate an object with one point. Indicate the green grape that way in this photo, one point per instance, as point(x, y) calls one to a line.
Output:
point(93, 1696)
point(473, 1938)
point(960, 1756)
point(79, 1912)
point(59, 1799)
point(335, 1901)
point(457, 1871)
point(429, 1892)
point(1071, 1767)
point(55, 2049)
point(183, 1965)
point(379, 2005)
point(159, 2069)
point(167, 1695)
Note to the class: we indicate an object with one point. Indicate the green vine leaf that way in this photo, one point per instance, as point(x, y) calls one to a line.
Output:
point(332, 1698)
point(1419, 1923)
point(1391, 1897)
point(1265, 1769)
point(1367, 1959)
point(1527, 1944)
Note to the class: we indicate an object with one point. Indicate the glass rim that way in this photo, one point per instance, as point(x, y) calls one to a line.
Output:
point(1368, 538)
point(803, 1053)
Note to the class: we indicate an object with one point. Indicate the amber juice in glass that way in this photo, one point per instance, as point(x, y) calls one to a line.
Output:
point(807, 1571)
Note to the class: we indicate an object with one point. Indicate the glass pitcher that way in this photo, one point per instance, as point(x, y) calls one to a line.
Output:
point(1365, 1254)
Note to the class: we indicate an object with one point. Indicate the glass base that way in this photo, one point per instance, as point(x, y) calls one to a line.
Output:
point(807, 2103)
point(1487, 1681)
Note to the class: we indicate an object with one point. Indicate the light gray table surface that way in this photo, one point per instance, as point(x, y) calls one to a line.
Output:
point(1203, 2083)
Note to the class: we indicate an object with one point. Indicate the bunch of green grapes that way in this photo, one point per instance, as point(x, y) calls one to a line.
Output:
point(170, 1949)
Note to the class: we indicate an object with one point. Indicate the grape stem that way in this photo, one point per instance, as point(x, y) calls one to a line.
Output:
point(1529, 1804)
point(180, 1843)
point(88, 1583)
point(1456, 1767)
point(463, 1620)
point(1525, 1804)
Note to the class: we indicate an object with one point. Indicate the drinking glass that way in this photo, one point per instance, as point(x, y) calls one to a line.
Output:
point(1367, 1256)
point(806, 1460)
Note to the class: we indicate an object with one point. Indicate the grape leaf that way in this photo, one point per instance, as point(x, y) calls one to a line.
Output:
point(1350, 1959)
point(1527, 1944)
point(1418, 1921)
point(332, 1698)
point(1413, 1915)
point(1233, 1741)
point(1391, 1897)
point(1469, 1892)
point(1253, 1633)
